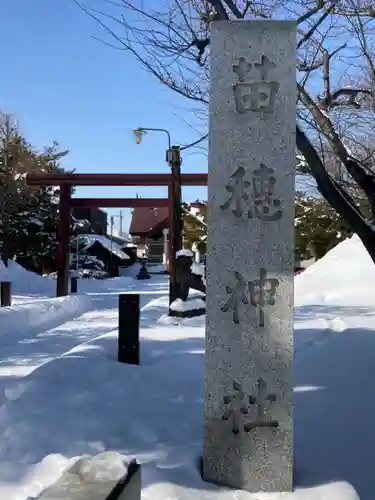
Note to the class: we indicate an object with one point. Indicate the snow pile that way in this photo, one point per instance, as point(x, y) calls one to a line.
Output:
point(4, 273)
point(104, 467)
point(44, 473)
point(28, 283)
point(42, 315)
point(336, 275)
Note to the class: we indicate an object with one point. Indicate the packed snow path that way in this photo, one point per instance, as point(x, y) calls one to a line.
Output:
point(83, 401)
point(27, 350)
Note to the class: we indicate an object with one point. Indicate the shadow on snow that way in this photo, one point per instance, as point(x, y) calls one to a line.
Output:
point(155, 412)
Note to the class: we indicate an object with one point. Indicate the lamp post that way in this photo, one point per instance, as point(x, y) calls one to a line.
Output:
point(140, 132)
point(121, 217)
point(173, 158)
point(112, 224)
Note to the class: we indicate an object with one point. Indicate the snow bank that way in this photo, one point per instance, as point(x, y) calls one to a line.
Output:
point(43, 314)
point(28, 283)
point(346, 266)
point(4, 272)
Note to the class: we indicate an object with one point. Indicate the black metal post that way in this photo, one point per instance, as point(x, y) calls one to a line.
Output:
point(74, 284)
point(62, 252)
point(128, 329)
point(6, 293)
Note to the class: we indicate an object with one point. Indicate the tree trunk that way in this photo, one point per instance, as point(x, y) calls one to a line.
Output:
point(5, 251)
point(339, 199)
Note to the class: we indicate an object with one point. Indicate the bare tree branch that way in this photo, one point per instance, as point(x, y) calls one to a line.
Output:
point(317, 24)
point(195, 143)
point(336, 77)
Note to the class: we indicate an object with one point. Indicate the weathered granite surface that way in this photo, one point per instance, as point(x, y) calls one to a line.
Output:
point(249, 339)
point(74, 485)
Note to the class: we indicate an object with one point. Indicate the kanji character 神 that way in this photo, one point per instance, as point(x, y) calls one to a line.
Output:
point(262, 293)
point(238, 293)
point(258, 293)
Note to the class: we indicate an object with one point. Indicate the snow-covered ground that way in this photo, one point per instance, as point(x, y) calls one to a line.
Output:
point(63, 394)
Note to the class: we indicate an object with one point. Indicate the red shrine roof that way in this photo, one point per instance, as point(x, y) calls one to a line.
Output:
point(147, 221)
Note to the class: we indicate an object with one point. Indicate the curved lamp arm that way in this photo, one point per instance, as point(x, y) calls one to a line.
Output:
point(141, 131)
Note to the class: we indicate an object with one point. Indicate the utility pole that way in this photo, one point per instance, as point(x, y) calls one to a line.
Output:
point(175, 218)
point(77, 255)
point(173, 158)
point(121, 219)
point(112, 224)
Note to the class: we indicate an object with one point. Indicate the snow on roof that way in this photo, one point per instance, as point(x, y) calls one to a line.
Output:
point(105, 241)
point(195, 213)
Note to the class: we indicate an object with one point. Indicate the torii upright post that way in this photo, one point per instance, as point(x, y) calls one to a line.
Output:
point(175, 219)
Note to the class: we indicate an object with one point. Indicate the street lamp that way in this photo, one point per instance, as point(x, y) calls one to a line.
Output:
point(173, 158)
point(140, 132)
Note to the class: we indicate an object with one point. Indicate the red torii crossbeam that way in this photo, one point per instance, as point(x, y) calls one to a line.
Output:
point(67, 181)
point(113, 179)
point(119, 202)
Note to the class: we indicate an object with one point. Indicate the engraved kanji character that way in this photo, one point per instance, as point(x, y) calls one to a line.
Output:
point(264, 66)
point(255, 95)
point(237, 187)
point(237, 407)
point(238, 293)
point(242, 69)
point(261, 399)
point(266, 206)
point(262, 293)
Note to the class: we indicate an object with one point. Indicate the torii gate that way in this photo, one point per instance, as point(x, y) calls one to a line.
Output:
point(66, 182)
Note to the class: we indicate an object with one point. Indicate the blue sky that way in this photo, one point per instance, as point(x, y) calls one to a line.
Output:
point(61, 84)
